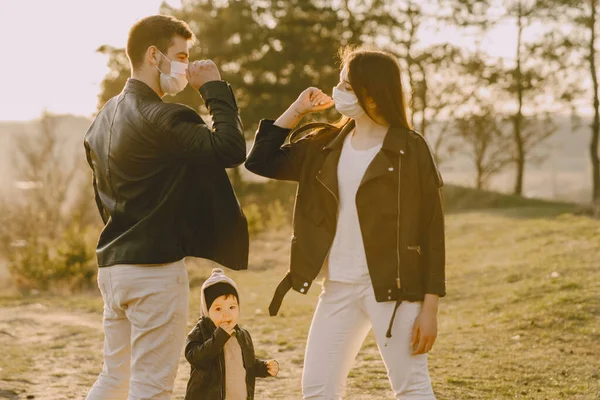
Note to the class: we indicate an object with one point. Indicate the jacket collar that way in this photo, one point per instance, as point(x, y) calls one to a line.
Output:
point(395, 139)
point(141, 89)
point(337, 142)
point(395, 142)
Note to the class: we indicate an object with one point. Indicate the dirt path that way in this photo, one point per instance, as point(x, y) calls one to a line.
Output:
point(51, 354)
point(54, 354)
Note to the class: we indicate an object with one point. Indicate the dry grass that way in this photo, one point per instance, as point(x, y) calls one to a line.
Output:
point(521, 320)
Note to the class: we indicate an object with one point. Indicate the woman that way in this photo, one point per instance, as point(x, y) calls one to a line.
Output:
point(369, 217)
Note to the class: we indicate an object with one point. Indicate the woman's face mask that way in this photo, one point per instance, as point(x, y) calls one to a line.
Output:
point(176, 81)
point(347, 103)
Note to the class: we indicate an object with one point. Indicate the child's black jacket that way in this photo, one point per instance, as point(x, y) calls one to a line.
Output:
point(204, 352)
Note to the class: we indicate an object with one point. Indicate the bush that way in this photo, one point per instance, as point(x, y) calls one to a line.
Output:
point(64, 264)
point(254, 216)
point(277, 215)
point(42, 232)
point(271, 216)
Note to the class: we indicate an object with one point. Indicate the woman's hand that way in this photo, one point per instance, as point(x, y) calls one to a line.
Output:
point(311, 100)
point(425, 326)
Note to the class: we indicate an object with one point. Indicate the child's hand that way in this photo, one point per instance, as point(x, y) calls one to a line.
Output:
point(273, 367)
point(227, 327)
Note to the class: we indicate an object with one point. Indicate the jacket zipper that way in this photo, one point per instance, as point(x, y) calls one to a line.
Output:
point(338, 209)
point(242, 346)
point(415, 248)
point(398, 222)
point(223, 372)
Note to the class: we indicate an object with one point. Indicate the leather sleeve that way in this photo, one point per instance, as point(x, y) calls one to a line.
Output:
point(259, 368)
point(269, 157)
point(201, 352)
point(103, 213)
point(433, 241)
point(187, 137)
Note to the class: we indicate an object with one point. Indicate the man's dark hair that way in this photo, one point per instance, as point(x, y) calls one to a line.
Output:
point(156, 30)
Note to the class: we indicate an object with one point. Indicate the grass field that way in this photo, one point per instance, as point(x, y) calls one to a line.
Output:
point(521, 319)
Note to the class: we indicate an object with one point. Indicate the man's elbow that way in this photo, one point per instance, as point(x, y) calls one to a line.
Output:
point(237, 158)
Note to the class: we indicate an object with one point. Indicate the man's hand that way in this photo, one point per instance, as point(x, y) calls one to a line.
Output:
point(273, 367)
point(200, 72)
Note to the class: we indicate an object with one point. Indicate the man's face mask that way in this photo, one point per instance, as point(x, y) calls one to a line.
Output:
point(176, 81)
point(347, 103)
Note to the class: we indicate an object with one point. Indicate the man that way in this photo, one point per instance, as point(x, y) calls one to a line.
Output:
point(162, 190)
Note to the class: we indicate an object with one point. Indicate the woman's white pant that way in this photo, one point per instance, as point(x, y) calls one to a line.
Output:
point(344, 315)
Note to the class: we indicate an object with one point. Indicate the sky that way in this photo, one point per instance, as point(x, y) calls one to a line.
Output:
point(49, 59)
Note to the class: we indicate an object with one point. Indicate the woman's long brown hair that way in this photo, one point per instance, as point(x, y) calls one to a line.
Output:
point(375, 74)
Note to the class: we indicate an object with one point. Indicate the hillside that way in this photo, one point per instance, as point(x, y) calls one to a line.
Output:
point(521, 319)
point(564, 174)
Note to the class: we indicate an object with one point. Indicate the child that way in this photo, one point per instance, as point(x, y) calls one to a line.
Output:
point(221, 354)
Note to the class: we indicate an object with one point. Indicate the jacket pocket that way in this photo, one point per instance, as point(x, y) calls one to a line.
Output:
point(415, 248)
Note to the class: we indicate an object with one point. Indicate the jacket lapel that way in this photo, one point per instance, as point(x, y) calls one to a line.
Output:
point(381, 165)
point(328, 174)
point(394, 144)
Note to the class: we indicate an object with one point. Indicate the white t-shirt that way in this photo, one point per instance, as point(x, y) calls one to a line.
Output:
point(347, 260)
point(235, 373)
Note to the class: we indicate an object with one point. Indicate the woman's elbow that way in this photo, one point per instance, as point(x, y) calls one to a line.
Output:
point(254, 165)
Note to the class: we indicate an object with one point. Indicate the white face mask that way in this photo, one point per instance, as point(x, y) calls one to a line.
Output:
point(347, 103)
point(176, 81)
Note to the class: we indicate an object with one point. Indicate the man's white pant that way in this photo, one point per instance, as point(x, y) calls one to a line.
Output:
point(344, 315)
point(145, 317)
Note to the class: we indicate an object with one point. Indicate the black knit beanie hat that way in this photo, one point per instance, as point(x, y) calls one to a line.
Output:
point(217, 290)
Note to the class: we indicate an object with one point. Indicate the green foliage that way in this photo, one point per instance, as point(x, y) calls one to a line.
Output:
point(63, 264)
point(273, 215)
point(254, 217)
point(268, 52)
point(44, 230)
point(272, 50)
point(278, 215)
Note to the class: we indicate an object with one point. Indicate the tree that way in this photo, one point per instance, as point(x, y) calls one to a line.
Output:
point(115, 80)
point(524, 83)
point(488, 146)
point(519, 87)
point(40, 163)
point(269, 52)
point(432, 70)
point(43, 231)
point(595, 141)
point(577, 49)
